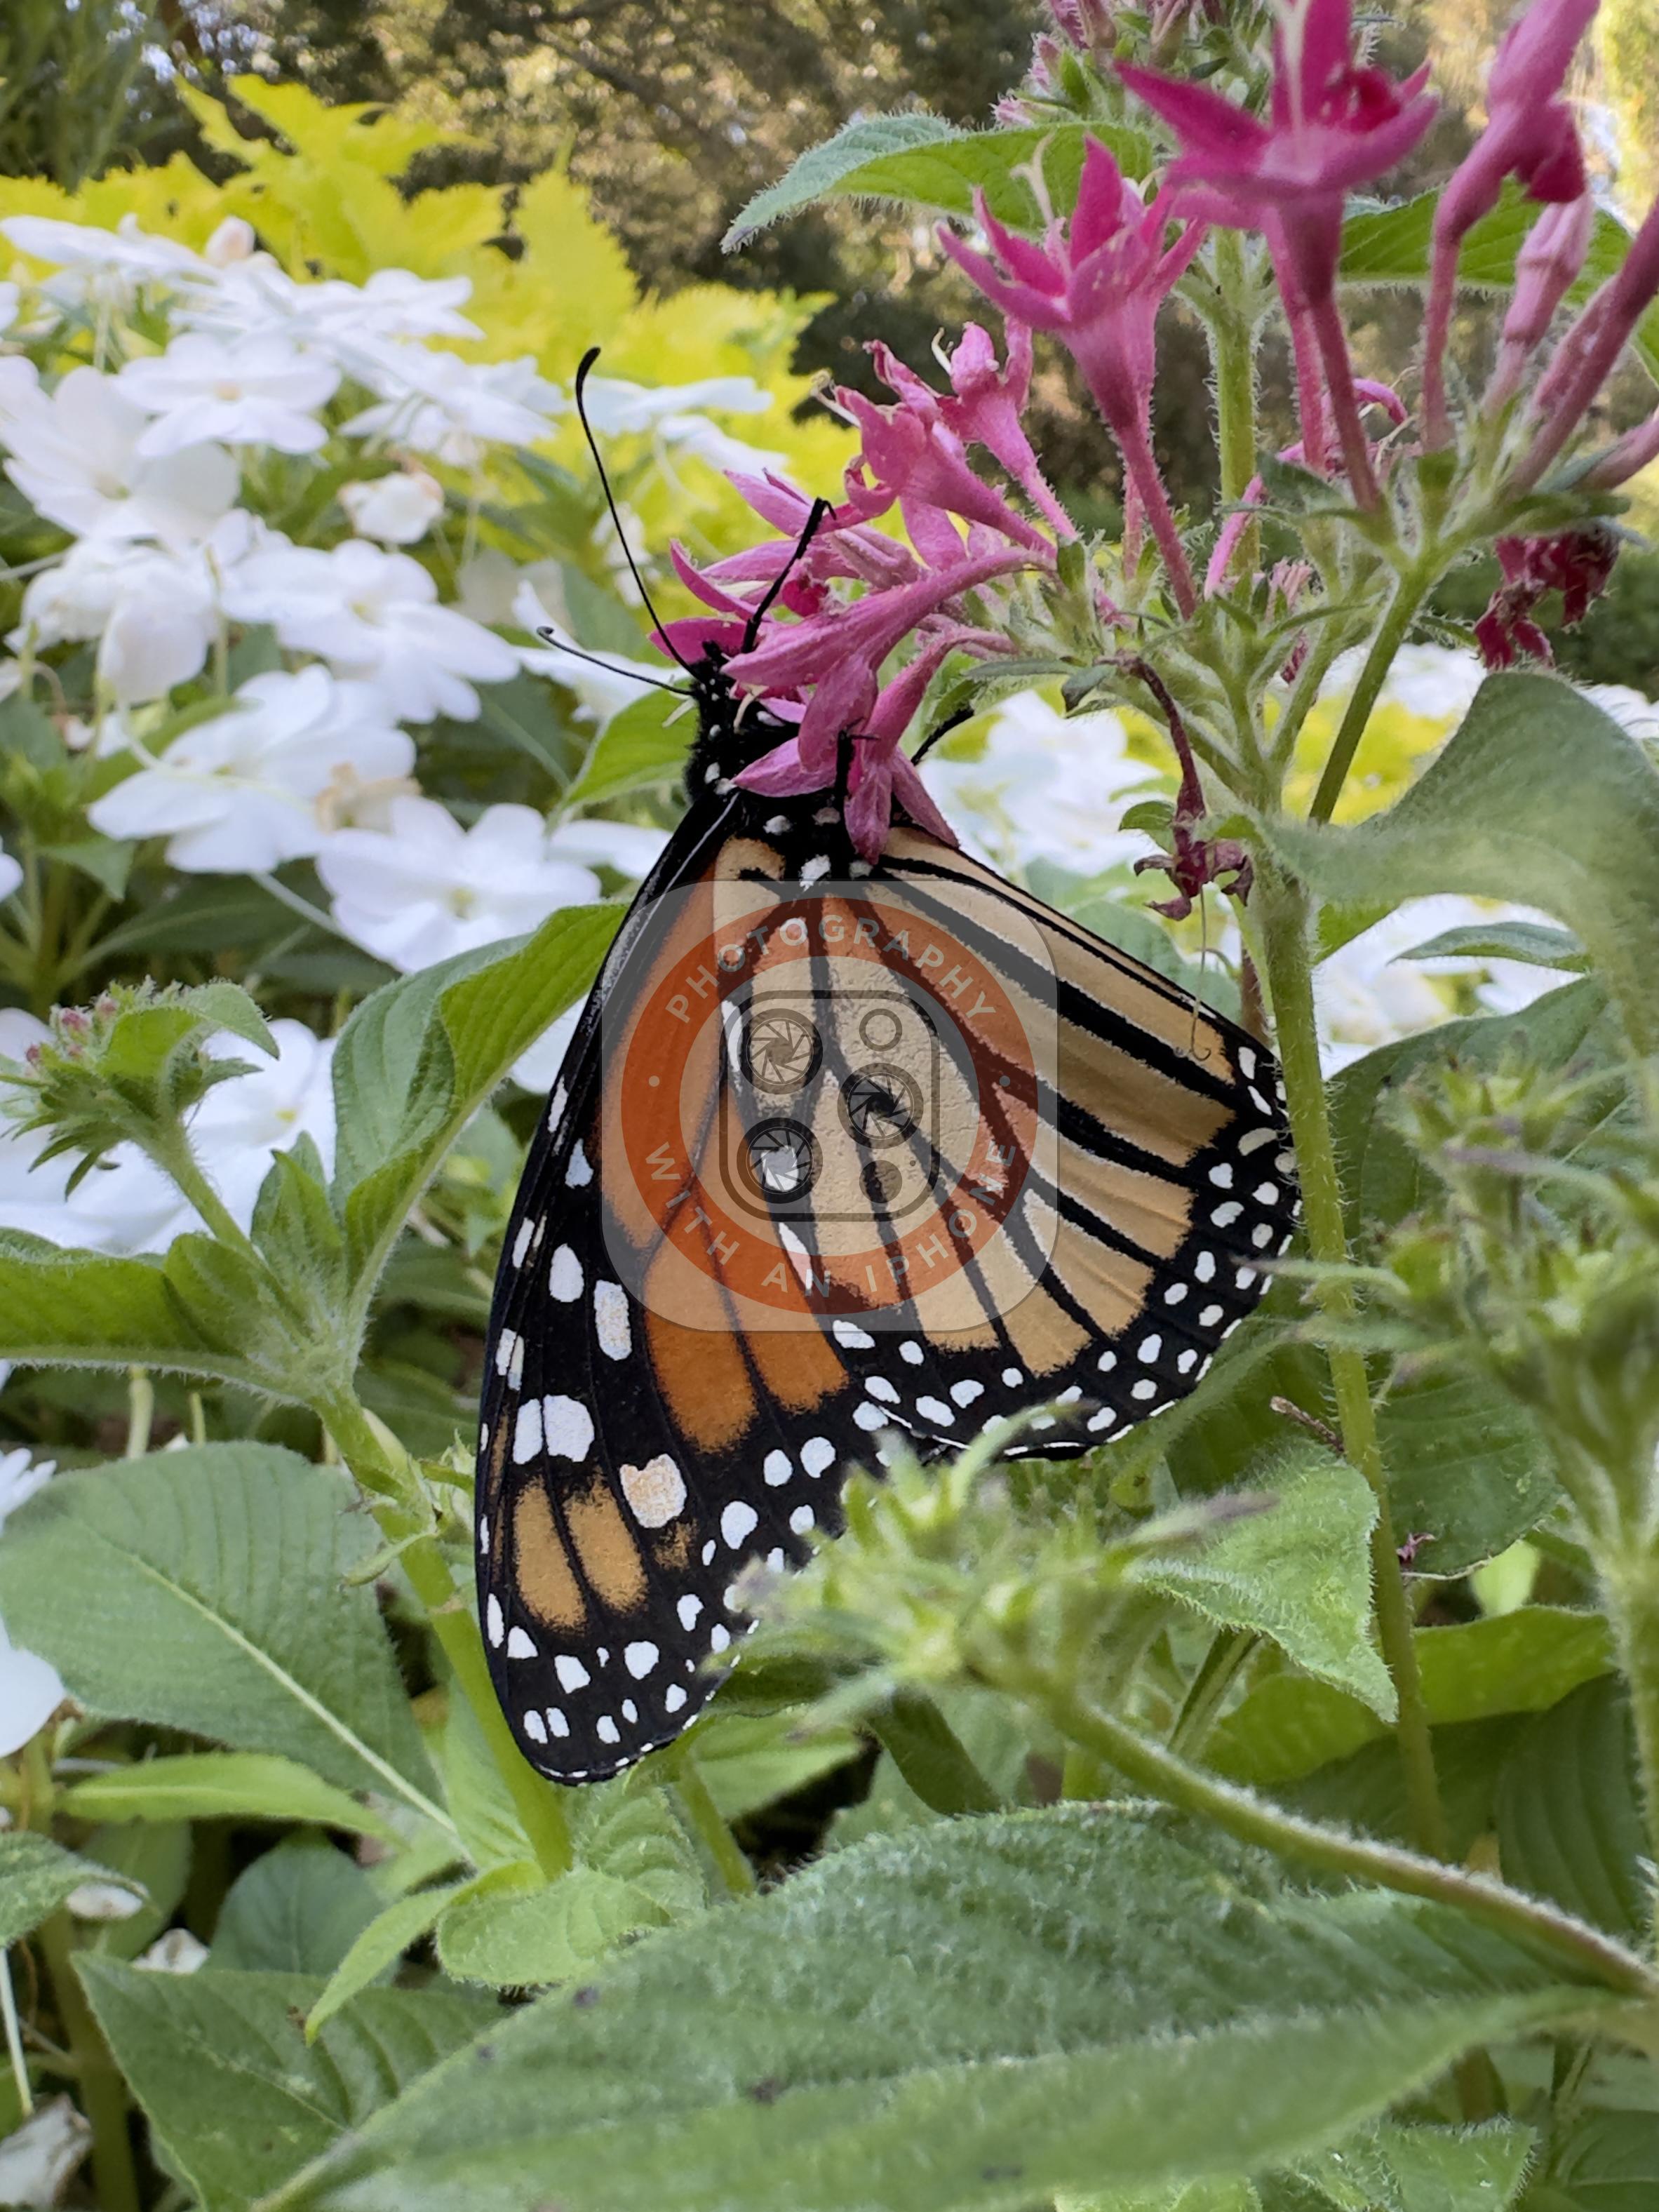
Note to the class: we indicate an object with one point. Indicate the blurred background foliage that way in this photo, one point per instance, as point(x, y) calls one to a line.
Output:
point(671, 114)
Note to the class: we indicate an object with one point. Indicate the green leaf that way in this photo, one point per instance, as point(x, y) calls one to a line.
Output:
point(1608, 2162)
point(239, 2101)
point(520, 1938)
point(417, 1059)
point(1569, 1811)
point(748, 1761)
point(639, 750)
point(107, 860)
point(1467, 1468)
point(1423, 2169)
point(1180, 2197)
point(158, 1856)
point(298, 1910)
point(1538, 794)
point(970, 2018)
point(818, 172)
point(378, 1946)
point(220, 1785)
point(1528, 941)
point(36, 1876)
point(919, 160)
point(1521, 1662)
point(929, 1754)
point(209, 1597)
point(82, 1310)
point(1298, 1573)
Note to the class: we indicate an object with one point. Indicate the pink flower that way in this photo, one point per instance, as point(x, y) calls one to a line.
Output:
point(1577, 563)
point(909, 455)
point(1531, 135)
point(1332, 126)
point(1098, 285)
point(1585, 357)
point(985, 406)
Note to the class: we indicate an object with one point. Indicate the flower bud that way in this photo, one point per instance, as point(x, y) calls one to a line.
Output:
point(1549, 265)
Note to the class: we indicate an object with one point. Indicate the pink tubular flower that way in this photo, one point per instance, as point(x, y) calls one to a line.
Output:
point(1099, 286)
point(908, 454)
point(840, 651)
point(985, 406)
point(1532, 135)
point(1586, 356)
point(1548, 266)
point(1332, 126)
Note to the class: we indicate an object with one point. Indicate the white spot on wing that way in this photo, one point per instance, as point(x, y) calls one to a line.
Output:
point(869, 1418)
point(564, 1276)
point(494, 1624)
point(504, 1348)
point(569, 1427)
point(878, 1386)
point(572, 1674)
point(965, 1393)
point(738, 1523)
point(777, 1467)
point(801, 1519)
point(606, 1729)
point(519, 1645)
point(655, 1492)
point(556, 1721)
point(527, 1431)
point(673, 1698)
point(935, 1409)
point(520, 1246)
point(718, 1637)
point(848, 1332)
point(534, 1726)
point(579, 1169)
point(816, 1455)
point(911, 1353)
point(640, 1659)
point(611, 1324)
point(688, 1609)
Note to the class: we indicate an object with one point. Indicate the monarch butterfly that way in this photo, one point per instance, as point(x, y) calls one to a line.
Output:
point(836, 1147)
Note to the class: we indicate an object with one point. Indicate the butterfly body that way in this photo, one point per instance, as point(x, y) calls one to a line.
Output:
point(837, 1148)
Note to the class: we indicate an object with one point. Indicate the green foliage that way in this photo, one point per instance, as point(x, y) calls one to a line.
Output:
point(37, 1877)
point(1034, 2055)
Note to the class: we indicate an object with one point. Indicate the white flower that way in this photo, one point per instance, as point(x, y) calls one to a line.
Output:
point(31, 1691)
point(242, 1123)
point(439, 403)
point(177, 1952)
point(604, 686)
point(154, 614)
point(38, 2159)
point(615, 406)
point(1435, 682)
point(234, 240)
point(629, 846)
point(539, 1068)
point(20, 1478)
point(430, 889)
point(75, 456)
point(396, 509)
point(251, 296)
point(1631, 708)
point(239, 793)
point(100, 268)
point(10, 296)
point(1047, 786)
point(252, 391)
point(11, 875)
point(373, 615)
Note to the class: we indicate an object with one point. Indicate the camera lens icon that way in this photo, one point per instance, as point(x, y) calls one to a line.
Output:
point(781, 1161)
point(880, 1105)
point(782, 1051)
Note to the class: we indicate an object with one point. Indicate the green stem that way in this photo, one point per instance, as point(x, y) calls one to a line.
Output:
point(172, 1153)
point(1254, 1821)
point(1230, 1651)
point(381, 1466)
point(707, 1822)
point(1631, 1584)
point(1408, 595)
point(1283, 912)
point(20, 2071)
point(1234, 361)
point(103, 2095)
point(141, 1411)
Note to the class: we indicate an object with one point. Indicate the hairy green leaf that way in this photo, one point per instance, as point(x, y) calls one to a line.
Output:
point(36, 1876)
point(82, 1309)
point(1521, 1662)
point(1467, 1469)
point(1298, 1573)
point(1608, 2162)
point(209, 1597)
point(520, 1938)
point(747, 1760)
point(1527, 941)
point(245, 1786)
point(818, 173)
point(1570, 1821)
point(1537, 789)
point(380, 1945)
point(930, 1755)
point(221, 2065)
point(977, 2015)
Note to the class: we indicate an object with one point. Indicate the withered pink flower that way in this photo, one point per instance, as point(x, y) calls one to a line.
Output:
point(1331, 126)
point(1577, 563)
point(1098, 285)
point(1530, 134)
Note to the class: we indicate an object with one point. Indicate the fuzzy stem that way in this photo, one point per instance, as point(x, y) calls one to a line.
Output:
point(1345, 402)
point(141, 1411)
point(1436, 330)
point(170, 1152)
point(380, 1464)
point(1631, 1580)
point(1283, 914)
point(707, 1822)
point(103, 2095)
point(1142, 472)
point(20, 2071)
point(1402, 610)
point(1234, 363)
point(1253, 1820)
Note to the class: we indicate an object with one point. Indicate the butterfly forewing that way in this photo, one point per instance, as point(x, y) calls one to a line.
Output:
point(832, 1154)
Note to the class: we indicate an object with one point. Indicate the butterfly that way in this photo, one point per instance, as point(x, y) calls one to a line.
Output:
point(838, 1148)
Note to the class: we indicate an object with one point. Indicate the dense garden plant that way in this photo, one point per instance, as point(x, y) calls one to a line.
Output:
point(1257, 1815)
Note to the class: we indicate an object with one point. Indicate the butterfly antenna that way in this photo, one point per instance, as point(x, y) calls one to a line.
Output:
point(583, 367)
point(951, 722)
point(821, 510)
point(551, 637)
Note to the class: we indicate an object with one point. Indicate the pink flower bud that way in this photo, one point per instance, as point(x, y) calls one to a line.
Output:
point(1548, 267)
